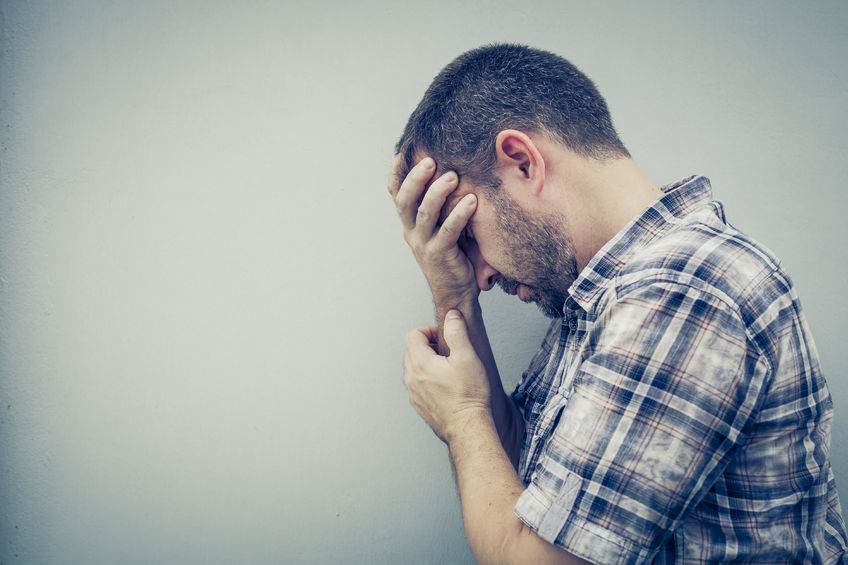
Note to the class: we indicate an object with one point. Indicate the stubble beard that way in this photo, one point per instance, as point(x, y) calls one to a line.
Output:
point(541, 251)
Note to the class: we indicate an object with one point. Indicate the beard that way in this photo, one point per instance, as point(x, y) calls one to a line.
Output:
point(539, 252)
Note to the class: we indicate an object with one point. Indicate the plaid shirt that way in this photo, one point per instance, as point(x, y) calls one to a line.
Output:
point(677, 412)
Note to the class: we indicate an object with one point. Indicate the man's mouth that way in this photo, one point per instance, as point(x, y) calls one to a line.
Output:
point(526, 294)
point(509, 286)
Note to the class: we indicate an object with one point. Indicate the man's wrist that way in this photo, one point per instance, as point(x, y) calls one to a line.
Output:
point(464, 303)
point(469, 421)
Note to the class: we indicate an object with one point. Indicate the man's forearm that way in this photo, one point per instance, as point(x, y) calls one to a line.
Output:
point(508, 421)
point(489, 488)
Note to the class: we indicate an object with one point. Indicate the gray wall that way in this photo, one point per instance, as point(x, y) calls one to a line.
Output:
point(204, 292)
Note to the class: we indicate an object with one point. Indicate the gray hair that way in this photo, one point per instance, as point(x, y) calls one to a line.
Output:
point(497, 87)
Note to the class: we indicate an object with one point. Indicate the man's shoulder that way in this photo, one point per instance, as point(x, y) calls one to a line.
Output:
point(704, 253)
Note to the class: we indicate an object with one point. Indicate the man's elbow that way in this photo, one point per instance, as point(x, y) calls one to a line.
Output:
point(523, 545)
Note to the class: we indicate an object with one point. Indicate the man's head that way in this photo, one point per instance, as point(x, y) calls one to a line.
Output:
point(526, 249)
point(486, 116)
point(498, 87)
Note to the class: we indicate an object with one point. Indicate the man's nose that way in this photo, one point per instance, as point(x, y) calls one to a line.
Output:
point(483, 272)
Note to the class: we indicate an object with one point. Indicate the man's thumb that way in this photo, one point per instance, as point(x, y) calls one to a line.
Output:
point(456, 332)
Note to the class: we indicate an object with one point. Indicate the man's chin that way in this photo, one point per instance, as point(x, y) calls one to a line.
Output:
point(550, 308)
point(550, 304)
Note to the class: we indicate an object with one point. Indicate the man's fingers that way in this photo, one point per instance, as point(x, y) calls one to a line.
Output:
point(456, 334)
point(395, 179)
point(432, 334)
point(409, 194)
point(419, 339)
point(419, 349)
point(433, 201)
point(456, 221)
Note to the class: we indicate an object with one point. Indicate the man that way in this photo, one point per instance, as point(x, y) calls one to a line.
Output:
point(676, 411)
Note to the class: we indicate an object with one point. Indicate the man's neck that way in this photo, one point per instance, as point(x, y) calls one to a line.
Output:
point(598, 198)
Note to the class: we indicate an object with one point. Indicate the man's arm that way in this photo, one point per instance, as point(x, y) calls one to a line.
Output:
point(508, 421)
point(450, 274)
point(452, 395)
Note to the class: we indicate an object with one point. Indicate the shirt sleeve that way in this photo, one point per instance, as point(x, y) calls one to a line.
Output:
point(652, 416)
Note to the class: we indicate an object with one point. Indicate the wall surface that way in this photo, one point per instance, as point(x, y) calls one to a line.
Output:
point(204, 291)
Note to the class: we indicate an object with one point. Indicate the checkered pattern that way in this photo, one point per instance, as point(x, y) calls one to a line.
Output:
point(677, 413)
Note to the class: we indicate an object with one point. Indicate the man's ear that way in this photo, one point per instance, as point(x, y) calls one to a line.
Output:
point(520, 160)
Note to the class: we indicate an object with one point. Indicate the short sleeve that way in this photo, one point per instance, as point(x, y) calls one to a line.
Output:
point(656, 408)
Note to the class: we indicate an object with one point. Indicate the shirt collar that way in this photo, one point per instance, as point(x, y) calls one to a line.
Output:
point(679, 199)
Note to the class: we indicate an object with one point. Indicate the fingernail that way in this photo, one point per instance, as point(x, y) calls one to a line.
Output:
point(453, 315)
point(469, 199)
point(428, 163)
point(449, 176)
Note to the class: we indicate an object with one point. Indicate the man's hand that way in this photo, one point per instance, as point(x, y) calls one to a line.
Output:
point(448, 271)
point(452, 281)
point(445, 391)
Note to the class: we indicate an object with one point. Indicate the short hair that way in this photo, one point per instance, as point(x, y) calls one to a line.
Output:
point(506, 86)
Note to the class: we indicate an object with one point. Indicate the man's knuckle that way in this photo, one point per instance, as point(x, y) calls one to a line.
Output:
point(449, 231)
point(430, 254)
point(417, 369)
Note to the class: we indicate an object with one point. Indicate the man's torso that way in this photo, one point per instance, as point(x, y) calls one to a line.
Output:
point(681, 403)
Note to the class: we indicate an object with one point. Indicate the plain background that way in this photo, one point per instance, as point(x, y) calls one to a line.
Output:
point(204, 291)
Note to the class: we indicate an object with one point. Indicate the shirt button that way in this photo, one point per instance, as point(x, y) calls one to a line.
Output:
point(572, 324)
